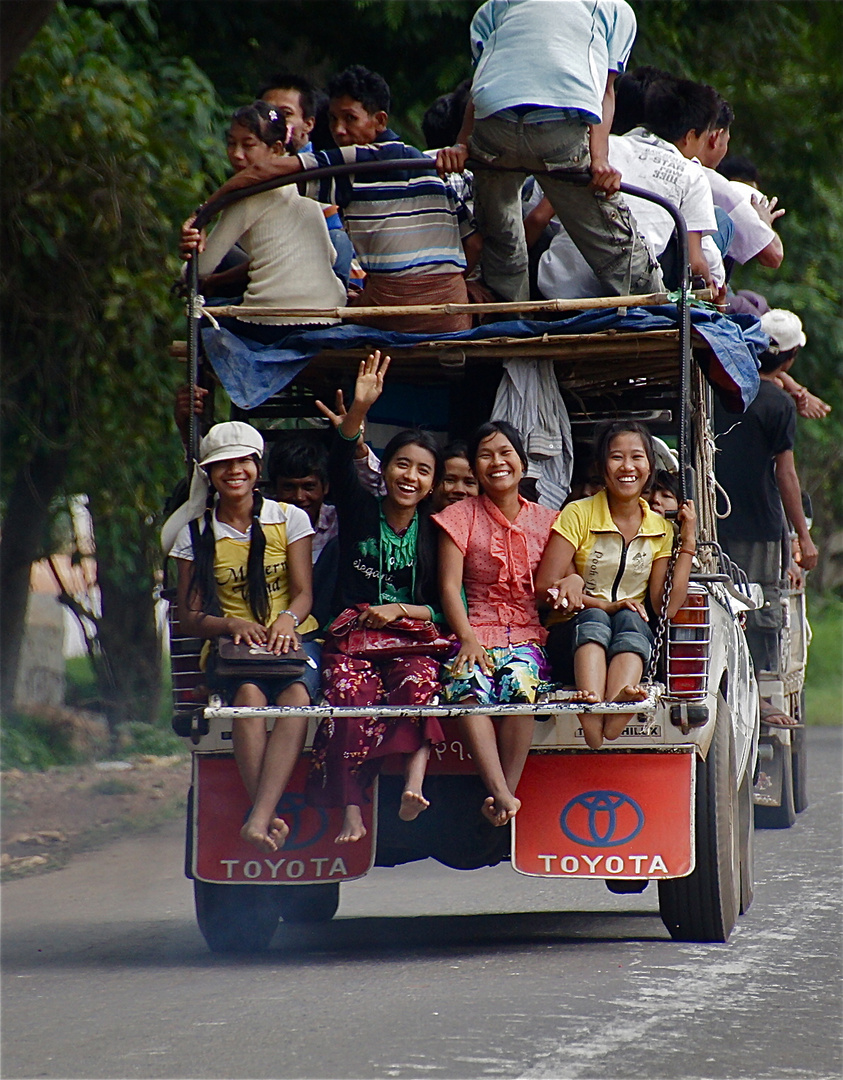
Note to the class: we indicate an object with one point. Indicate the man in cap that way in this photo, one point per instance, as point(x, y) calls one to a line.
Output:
point(756, 469)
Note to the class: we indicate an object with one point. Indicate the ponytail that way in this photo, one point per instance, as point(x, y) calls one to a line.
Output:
point(258, 594)
point(203, 579)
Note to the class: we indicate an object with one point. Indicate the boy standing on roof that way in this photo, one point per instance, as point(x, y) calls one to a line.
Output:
point(543, 98)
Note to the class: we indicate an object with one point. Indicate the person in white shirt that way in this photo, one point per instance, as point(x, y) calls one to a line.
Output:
point(655, 157)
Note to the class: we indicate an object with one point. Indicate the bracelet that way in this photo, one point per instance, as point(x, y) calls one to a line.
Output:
point(687, 551)
point(350, 438)
point(406, 613)
point(293, 616)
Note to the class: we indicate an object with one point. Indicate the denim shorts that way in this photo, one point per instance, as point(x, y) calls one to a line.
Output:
point(623, 632)
point(271, 685)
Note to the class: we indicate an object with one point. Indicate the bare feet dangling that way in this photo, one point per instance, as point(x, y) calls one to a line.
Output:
point(412, 804)
point(634, 692)
point(269, 840)
point(353, 828)
point(500, 812)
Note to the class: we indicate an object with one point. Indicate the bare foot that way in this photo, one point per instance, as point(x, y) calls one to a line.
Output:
point(587, 697)
point(592, 729)
point(412, 804)
point(632, 693)
point(267, 841)
point(502, 812)
point(279, 830)
point(353, 828)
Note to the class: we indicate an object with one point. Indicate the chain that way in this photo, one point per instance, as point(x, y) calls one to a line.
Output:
point(661, 627)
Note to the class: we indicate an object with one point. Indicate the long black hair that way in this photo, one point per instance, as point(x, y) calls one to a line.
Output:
point(203, 580)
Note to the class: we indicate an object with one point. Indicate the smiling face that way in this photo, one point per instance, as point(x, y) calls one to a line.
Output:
point(306, 492)
point(288, 103)
point(351, 124)
point(497, 466)
point(627, 467)
point(458, 482)
point(235, 477)
point(244, 148)
point(408, 476)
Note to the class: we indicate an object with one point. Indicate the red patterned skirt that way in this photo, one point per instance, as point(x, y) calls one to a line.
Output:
point(348, 752)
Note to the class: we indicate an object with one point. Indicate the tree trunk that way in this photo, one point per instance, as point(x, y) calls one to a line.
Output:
point(131, 648)
point(24, 540)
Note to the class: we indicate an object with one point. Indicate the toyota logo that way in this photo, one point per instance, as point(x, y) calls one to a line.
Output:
point(601, 819)
point(308, 824)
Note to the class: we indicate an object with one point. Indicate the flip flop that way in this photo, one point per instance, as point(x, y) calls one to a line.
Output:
point(776, 718)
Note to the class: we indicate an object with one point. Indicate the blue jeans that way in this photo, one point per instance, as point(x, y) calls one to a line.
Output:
point(602, 228)
point(623, 632)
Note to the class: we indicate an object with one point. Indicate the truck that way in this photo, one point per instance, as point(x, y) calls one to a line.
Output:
point(673, 801)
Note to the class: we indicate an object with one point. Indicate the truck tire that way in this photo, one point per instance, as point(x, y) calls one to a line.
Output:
point(783, 815)
point(799, 751)
point(704, 905)
point(746, 818)
point(237, 918)
point(309, 903)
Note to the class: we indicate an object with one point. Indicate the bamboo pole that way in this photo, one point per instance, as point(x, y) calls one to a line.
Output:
point(527, 306)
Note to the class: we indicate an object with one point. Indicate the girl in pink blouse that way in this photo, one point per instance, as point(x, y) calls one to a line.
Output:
point(490, 546)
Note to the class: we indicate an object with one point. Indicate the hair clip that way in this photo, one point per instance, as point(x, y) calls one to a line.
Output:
point(273, 115)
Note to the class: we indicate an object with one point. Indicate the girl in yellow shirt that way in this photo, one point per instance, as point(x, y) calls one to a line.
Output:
point(244, 569)
point(620, 548)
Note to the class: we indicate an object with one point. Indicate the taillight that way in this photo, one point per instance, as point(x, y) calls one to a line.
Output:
point(688, 647)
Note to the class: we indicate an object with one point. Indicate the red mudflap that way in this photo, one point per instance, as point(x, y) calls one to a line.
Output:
point(309, 855)
point(606, 815)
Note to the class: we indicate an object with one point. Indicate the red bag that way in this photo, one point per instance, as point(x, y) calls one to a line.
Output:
point(404, 637)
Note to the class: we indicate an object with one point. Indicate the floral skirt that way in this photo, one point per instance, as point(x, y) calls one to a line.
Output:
point(518, 672)
point(347, 752)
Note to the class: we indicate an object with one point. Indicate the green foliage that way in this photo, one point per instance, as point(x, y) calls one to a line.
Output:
point(34, 744)
point(159, 739)
point(106, 147)
point(824, 676)
point(779, 66)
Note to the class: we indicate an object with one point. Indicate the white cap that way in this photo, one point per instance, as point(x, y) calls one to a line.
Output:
point(784, 330)
point(234, 439)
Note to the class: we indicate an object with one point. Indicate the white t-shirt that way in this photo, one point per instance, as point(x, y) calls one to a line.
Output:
point(751, 233)
point(646, 161)
point(272, 513)
point(556, 53)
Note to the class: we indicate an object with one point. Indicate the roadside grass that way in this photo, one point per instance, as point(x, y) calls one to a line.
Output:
point(38, 740)
point(824, 676)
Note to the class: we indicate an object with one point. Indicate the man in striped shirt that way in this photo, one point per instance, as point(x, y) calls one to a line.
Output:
point(409, 230)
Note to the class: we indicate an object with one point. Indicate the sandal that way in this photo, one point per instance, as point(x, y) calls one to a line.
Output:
point(775, 717)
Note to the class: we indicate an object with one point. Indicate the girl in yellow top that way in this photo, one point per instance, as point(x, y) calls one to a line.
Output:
point(620, 548)
point(244, 569)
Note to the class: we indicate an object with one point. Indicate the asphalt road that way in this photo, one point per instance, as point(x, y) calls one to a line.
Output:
point(428, 972)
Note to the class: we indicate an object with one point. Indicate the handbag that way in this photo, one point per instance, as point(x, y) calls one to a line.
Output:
point(403, 637)
point(242, 659)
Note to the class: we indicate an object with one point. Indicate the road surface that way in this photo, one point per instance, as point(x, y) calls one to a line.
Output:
point(429, 972)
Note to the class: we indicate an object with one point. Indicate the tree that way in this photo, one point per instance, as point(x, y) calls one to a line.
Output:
point(105, 147)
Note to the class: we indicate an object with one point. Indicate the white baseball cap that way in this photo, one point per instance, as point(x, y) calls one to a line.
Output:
point(233, 439)
point(784, 330)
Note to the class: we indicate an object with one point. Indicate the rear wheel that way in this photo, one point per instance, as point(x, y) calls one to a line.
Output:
point(746, 821)
point(799, 754)
point(704, 905)
point(309, 903)
point(237, 918)
point(626, 885)
point(783, 815)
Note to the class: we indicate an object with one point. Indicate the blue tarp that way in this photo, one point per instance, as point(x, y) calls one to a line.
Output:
point(251, 373)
